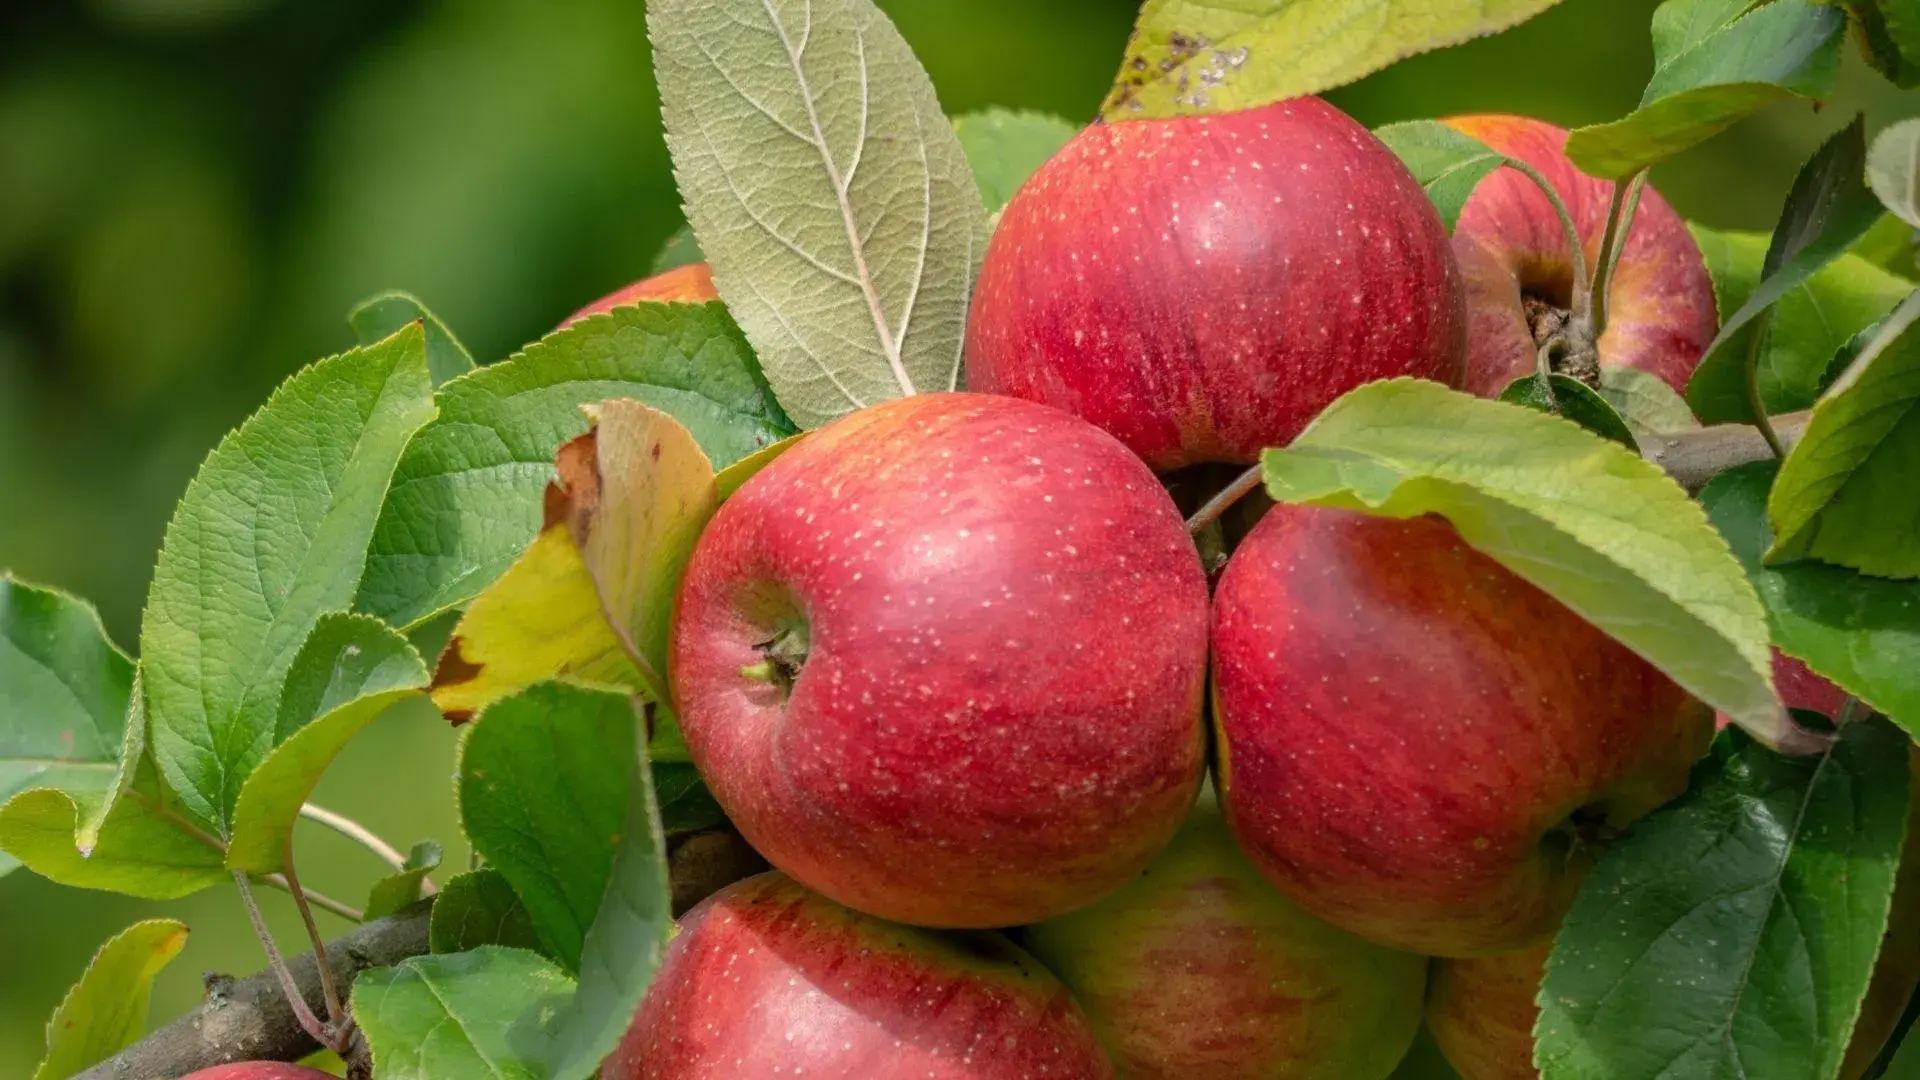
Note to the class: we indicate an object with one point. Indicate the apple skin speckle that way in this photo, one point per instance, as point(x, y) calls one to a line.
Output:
point(998, 717)
point(1219, 317)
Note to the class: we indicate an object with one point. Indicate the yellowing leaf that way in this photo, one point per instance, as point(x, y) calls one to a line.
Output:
point(1193, 56)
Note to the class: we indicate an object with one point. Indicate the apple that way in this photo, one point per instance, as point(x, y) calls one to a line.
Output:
point(259, 1070)
point(1419, 746)
point(944, 661)
point(768, 979)
point(1202, 287)
point(690, 284)
point(1198, 968)
point(1513, 251)
point(1799, 688)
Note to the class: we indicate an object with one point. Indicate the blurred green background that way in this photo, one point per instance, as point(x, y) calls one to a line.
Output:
point(192, 192)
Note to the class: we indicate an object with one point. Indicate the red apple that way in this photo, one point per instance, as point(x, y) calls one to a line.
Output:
point(259, 1070)
point(943, 661)
point(1202, 287)
point(1799, 688)
point(767, 979)
point(1419, 746)
point(689, 284)
point(1513, 248)
point(1198, 968)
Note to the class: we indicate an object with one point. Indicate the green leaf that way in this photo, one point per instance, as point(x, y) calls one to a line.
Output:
point(106, 1011)
point(1890, 246)
point(479, 908)
point(272, 533)
point(1811, 323)
point(543, 779)
point(1645, 402)
point(1733, 932)
point(1006, 146)
point(1860, 633)
point(1717, 71)
point(1588, 521)
point(681, 249)
point(398, 889)
point(1827, 212)
point(626, 942)
point(1192, 56)
point(1425, 1061)
point(146, 847)
point(685, 803)
point(351, 669)
point(1845, 493)
point(1449, 164)
point(385, 314)
point(482, 1013)
point(65, 690)
point(828, 191)
point(1893, 168)
point(466, 500)
point(1570, 399)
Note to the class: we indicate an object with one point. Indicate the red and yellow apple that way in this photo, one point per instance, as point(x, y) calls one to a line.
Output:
point(689, 284)
point(1198, 968)
point(1419, 746)
point(1512, 248)
point(768, 979)
point(944, 661)
point(1202, 287)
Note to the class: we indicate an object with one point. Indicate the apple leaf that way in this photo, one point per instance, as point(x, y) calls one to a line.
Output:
point(1811, 323)
point(1449, 164)
point(1006, 146)
point(384, 314)
point(1890, 246)
point(480, 1013)
point(1425, 1061)
point(1586, 520)
point(65, 691)
point(146, 847)
point(466, 499)
point(272, 533)
point(351, 669)
point(1645, 402)
point(626, 943)
point(1893, 170)
point(1827, 212)
point(1845, 493)
point(403, 887)
point(544, 777)
point(1733, 932)
point(1570, 399)
point(1888, 32)
point(828, 191)
point(479, 908)
point(685, 803)
point(1195, 56)
point(1860, 633)
point(1715, 63)
point(106, 1011)
point(681, 249)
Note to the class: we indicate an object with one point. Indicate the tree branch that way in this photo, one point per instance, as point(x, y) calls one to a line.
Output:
point(1695, 457)
point(251, 1020)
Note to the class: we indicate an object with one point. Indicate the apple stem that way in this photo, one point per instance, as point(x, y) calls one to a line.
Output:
point(278, 965)
point(1763, 327)
point(1576, 251)
point(336, 1013)
point(782, 657)
point(1620, 213)
point(1211, 510)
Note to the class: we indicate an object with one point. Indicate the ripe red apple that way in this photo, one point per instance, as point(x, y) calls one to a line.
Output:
point(259, 1070)
point(1202, 287)
point(768, 979)
point(689, 284)
point(1799, 688)
point(1198, 968)
point(943, 661)
point(1419, 746)
point(1513, 248)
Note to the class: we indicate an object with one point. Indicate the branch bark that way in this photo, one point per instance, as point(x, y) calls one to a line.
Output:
point(1695, 457)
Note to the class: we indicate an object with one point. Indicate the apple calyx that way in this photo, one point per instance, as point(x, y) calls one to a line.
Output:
point(784, 654)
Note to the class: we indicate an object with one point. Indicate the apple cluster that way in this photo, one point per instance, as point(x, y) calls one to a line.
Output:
point(1048, 795)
